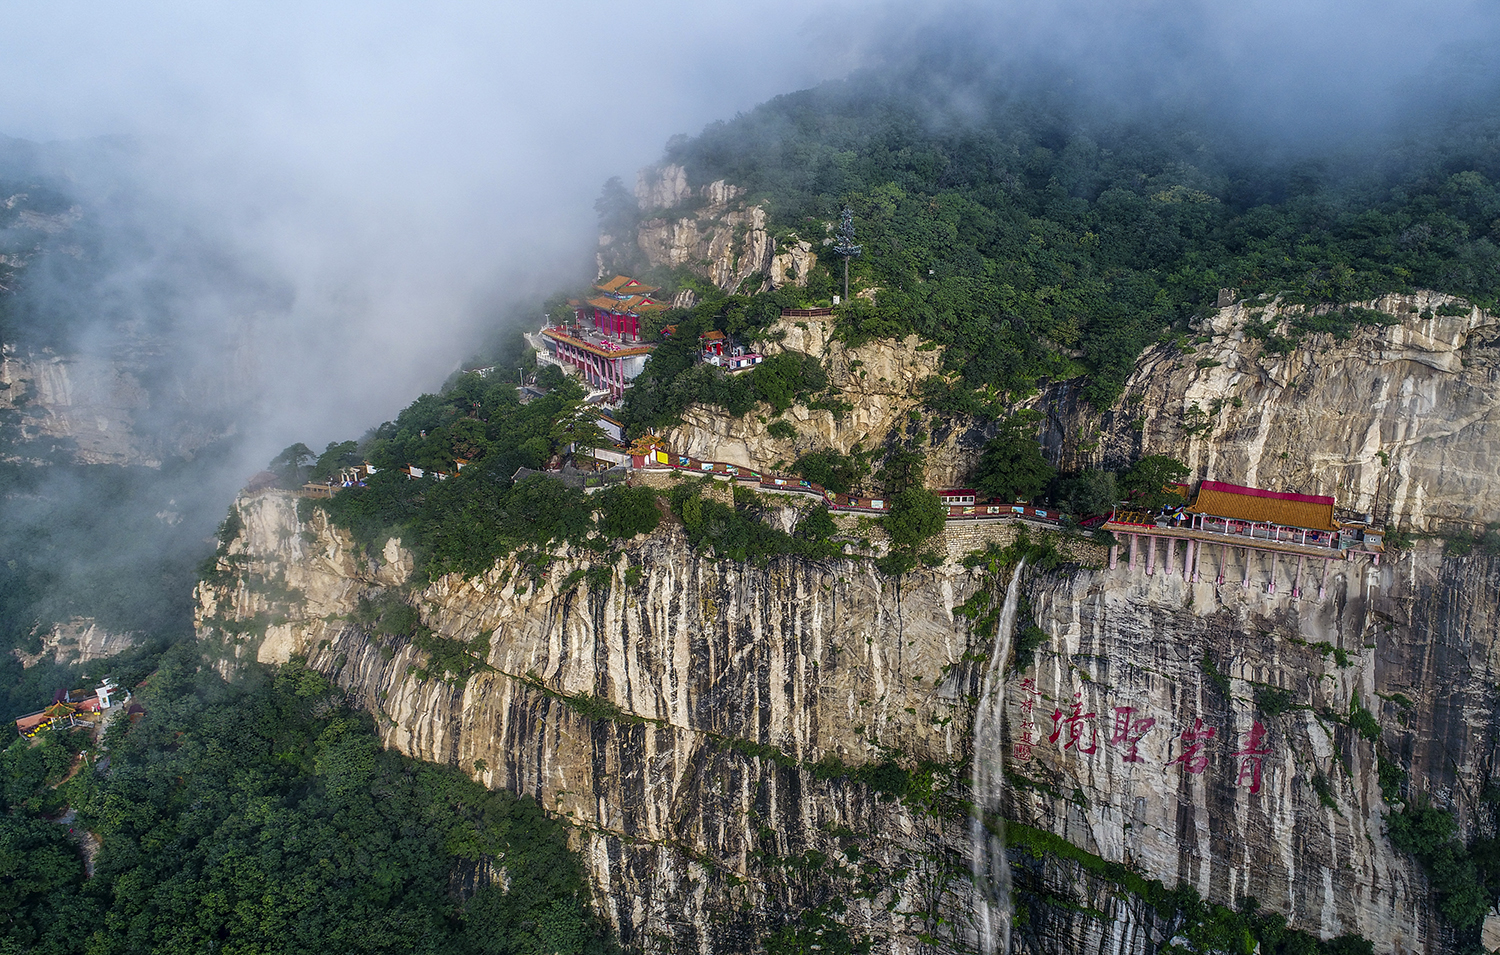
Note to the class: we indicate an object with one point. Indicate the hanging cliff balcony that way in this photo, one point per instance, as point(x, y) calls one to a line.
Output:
point(596, 342)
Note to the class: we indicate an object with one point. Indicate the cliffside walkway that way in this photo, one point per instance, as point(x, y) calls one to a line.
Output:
point(1137, 528)
point(1197, 539)
point(855, 503)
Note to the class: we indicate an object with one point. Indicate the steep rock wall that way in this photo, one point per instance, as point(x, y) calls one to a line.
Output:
point(697, 840)
point(715, 234)
point(1402, 421)
point(1166, 672)
point(124, 407)
point(77, 640)
point(700, 838)
point(879, 381)
point(716, 788)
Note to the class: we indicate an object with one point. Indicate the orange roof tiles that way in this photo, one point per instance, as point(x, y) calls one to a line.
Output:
point(1237, 502)
point(623, 285)
point(636, 303)
point(559, 334)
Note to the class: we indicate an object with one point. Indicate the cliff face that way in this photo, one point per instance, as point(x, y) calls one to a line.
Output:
point(728, 737)
point(120, 407)
point(78, 640)
point(704, 723)
point(100, 365)
point(1402, 421)
point(715, 233)
point(878, 381)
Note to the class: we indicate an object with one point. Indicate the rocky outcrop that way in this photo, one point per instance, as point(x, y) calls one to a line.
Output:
point(661, 187)
point(878, 382)
point(1171, 678)
point(727, 737)
point(720, 238)
point(704, 724)
point(119, 408)
point(1402, 421)
point(78, 640)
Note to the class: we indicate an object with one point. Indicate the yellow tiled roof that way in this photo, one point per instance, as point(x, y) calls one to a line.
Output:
point(623, 284)
point(1236, 502)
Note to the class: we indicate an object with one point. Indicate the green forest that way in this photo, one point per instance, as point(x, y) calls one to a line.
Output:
point(265, 816)
point(1031, 238)
point(1039, 240)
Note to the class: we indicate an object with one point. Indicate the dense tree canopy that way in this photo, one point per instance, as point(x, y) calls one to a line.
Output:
point(476, 515)
point(1012, 465)
point(1039, 237)
point(265, 817)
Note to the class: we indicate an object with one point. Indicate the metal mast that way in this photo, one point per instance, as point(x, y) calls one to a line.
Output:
point(844, 244)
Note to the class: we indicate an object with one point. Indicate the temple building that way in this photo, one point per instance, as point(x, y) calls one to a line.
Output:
point(720, 350)
point(618, 307)
point(1267, 515)
point(604, 340)
point(1263, 527)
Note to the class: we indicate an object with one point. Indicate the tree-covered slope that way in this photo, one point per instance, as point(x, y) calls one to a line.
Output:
point(264, 816)
point(1038, 234)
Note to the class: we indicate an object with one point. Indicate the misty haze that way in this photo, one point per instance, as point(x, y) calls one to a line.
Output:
point(847, 477)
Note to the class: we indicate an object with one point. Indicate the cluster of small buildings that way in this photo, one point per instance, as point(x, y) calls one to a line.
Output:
point(71, 708)
point(715, 348)
point(603, 342)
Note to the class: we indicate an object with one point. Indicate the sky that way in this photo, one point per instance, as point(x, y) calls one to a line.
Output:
point(395, 173)
point(404, 169)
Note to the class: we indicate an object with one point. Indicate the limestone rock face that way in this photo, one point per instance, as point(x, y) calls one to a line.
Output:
point(723, 239)
point(677, 709)
point(672, 706)
point(879, 380)
point(119, 408)
point(717, 731)
point(1166, 673)
point(78, 640)
point(1400, 421)
point(662, 187)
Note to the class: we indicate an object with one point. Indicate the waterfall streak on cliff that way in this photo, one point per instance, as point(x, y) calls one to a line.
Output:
point(991, 868)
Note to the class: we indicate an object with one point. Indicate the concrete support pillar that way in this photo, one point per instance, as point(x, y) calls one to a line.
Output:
point(1323, 584)
point(1275, 559)
point(1150, 555)
point(1135, 546)
point(1171, 556)
point(1114, 555)
point(1297, 581)
point(1223, 551)
point(1195, 554)
point(1246, 582)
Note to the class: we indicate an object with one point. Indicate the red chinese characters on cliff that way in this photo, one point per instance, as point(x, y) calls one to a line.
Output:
point(1075, 728)
point(1127, 731)
point(1252, 751)
point(1194, 742)
point(1075, 723)
point(1026, 737)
